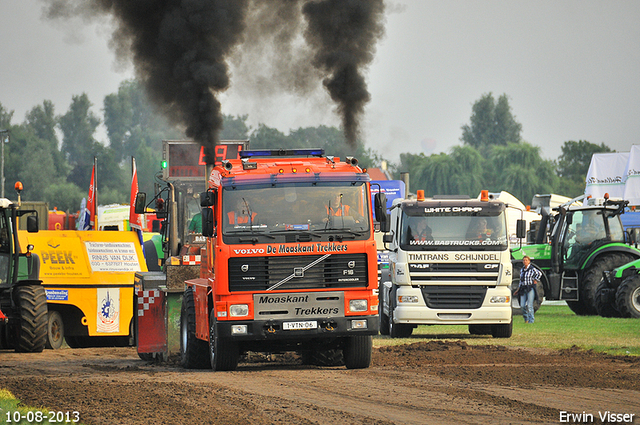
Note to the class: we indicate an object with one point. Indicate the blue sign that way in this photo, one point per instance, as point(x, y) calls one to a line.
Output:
point(57, 294)
point(392, 188)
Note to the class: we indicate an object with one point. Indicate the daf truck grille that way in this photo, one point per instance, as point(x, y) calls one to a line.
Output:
point(454, 297)
point(298, 272)
point(484, 272)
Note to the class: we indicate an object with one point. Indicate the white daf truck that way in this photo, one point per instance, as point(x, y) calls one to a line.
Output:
point(450, 264)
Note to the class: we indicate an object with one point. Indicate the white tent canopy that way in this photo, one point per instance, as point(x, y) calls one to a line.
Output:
point(617, 174)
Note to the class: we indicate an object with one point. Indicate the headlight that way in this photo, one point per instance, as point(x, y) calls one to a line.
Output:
point(358, 305)
point(239, 330)
point(359, 324)
point(407, 299)
point(500, 299)
point(238, 310)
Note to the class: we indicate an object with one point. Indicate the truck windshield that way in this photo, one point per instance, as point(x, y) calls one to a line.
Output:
point(311, 208)
point(453, 232)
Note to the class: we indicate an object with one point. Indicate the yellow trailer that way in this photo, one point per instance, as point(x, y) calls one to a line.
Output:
point(88, 277)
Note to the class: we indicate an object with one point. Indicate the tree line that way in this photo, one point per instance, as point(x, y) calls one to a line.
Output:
point(52, 155)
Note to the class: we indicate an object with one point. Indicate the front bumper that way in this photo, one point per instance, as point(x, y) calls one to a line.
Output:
point(488, 313)
point(272, 330)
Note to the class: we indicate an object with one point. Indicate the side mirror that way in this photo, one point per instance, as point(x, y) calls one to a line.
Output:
point(140, 203)
point(388, 238)
point(380, 201)
point(207, 199)
point(32, 224)
point(521, 229)
point(207, 222)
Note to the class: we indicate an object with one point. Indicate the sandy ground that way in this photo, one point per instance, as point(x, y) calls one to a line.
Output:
point(425, 382)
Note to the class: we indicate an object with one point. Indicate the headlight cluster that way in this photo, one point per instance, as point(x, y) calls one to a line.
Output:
point(239, 310)
point(358, 305)
point(407, 299)
point(502, 299)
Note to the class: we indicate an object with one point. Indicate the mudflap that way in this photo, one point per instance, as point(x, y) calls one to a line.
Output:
point(151, 335)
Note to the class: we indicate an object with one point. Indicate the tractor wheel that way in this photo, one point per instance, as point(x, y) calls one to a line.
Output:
point(628, 297)
point(31, 332)
point(606, 300)
point(357, 352)
point(55, 331)
point(193, 351)
point(591, 278)
point(223, 352)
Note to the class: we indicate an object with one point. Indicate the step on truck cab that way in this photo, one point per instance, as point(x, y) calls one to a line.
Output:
point(292, 262)
point(449, 265)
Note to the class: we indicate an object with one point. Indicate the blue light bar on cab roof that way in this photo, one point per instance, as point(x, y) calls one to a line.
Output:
point(281, 152)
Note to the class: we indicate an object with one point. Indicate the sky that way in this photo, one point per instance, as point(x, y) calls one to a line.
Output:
point(571, 70)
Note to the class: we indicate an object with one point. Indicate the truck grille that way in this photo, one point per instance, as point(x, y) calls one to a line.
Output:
point(486, 272)
point(334, 271)
point(454, 297)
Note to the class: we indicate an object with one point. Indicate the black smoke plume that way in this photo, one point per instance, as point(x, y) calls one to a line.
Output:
point(344, 34)
point(178, 49)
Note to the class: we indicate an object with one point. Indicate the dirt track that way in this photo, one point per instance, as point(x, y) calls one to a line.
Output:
point(426, 382)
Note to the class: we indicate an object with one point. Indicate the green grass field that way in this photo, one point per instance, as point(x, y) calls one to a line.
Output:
point(556, 326)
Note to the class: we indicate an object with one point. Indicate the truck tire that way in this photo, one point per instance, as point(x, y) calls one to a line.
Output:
point(193, 351)
point(31, 332)
point(480, 329)
point(223, 353)
point(55, 331)
point(591, 278)
point(398, 330)
point(357, 352)
point(606, 300)
point(384, 319)
point(628, 297)
point(502, 331)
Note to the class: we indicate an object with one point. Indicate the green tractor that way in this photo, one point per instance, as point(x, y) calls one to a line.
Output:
point(23, 301)
point(619, 292)
point(585, 241)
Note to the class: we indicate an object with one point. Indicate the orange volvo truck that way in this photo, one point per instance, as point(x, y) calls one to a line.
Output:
point(291, 262)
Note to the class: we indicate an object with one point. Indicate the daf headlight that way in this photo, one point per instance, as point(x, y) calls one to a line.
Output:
point(407, 299)
point(502, 299)
point(358, 305)
point(239, 310)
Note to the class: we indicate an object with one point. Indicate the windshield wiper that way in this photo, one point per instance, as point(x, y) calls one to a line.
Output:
point(344, 229)
point(297, 232)
point(247, 232)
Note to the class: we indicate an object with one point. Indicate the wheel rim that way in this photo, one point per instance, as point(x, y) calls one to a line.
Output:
point(55, 331)
point(635, 298)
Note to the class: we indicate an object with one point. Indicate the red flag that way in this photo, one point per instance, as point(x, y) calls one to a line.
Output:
point(136, 221)
point(91, 202)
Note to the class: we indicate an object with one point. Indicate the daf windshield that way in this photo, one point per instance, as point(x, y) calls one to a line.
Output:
point(309, 211)
point(452, 229)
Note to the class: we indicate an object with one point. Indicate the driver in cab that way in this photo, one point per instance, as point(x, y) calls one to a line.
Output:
point(241, 214)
